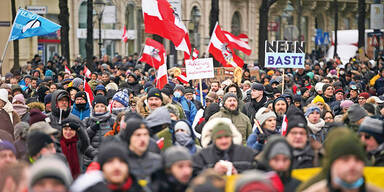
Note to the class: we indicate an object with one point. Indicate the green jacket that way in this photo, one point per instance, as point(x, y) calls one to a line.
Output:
point(239, 119)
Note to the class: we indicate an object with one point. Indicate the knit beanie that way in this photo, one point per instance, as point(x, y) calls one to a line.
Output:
point(47, 99)
point(50, 167)
point(373, 127)
point(112, 150)
point(174, 154)
point(220, 130)
point(20, 98)
point(81, 94)
point(365, 95)
point(182, 125)
point(338, 90)
point(355, 113)
point(296, 119)
point(100, 87)
point(133, 124)
point(257, 86)
point(228, 95)
point(36, 115)
point(155, 92)
point(122, 97)
point(189, 90)
point(346, 104)
point(317, 99)
point(303, 90)
point(263, 114)
point(77, 82)
point(37, 140)
point(100, 99)
point(344, 144)
point(6, 145)
point(312, 109)
point(277, 145)
point(179, 87)
point(319, 86)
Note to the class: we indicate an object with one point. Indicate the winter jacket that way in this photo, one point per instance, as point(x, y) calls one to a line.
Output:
point(240, 156)
point(142, 108)
point(206, 135)
point(188, 107)
point(57, 115)
point(135, 87)
point(318, 135)
point(81, 113)
point(379, 86)
point(303, 158)
point(142, 167)
point(257, 139)
point(250, 108)
point(97, 126)
point(241, 121)
point(8, 120)
point(165, 182)
point(376, 157)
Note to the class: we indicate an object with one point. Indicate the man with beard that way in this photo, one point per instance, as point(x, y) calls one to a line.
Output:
point(231, 111)
point(61, 108)
point(258, 100)
point(148, 103)
point(278, 156)
point(114, 174)
point(81, 107)
point(177, 173)
point(133, 84)
point(280, 106)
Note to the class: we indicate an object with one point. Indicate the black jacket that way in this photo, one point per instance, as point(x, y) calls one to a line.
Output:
point(142, 167)
point(250, 108)
point(164, 182)
point(241, 157)
point(303, 158)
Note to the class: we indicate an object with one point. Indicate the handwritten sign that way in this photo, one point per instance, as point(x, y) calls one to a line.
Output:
point(200, 68)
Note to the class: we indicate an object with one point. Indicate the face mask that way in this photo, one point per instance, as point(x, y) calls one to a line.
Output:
point(298, 92)
point(177, 94)
point(81, 105)
point(182, 138)
point(341, 72)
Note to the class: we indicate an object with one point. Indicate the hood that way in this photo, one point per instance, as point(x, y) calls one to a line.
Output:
point(208, 127)
point(158, 117)
point(273, 141)
point(55, 110)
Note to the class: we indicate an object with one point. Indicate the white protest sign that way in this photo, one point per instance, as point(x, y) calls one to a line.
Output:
point(284, 54)
point(199, 68)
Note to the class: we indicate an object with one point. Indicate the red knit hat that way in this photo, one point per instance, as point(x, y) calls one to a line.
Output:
point(36, 116)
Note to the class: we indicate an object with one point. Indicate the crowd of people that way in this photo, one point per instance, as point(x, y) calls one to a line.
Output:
point(133, 136)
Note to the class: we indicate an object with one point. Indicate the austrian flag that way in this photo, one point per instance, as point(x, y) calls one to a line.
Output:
point(162, 19)
point(162, 74)
point(87, 72)
point(153, 53)
point(221, 50)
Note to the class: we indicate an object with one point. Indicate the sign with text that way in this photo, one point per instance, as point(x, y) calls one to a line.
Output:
point(199, 68)
point(284, 54)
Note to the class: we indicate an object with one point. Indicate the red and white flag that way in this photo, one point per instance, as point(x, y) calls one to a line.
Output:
point(195, 54)
point(221, 51)
point(87, 72)
point(162, 19)
point(88, 90)
point(67, 69)
point(237, 43)
point(243, 37)
point(162, 74)
point(284, 126)
point(153, 53)
point(183, 78)
point(160, 143)
point(125, 35)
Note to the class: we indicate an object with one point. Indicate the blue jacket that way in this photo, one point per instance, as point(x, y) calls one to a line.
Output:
point(198, 97)
point(188, 107)
point(82, 114)
point(255, 140)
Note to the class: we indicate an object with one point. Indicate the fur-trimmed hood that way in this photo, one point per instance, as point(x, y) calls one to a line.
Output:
point(208, 127)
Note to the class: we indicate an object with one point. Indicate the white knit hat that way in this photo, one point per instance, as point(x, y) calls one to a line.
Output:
point(4, 95)
point(262, 115)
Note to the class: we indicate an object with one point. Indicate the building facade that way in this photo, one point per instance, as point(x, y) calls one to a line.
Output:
point(235, 16)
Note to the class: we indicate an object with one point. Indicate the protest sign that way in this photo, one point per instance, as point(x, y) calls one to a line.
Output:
point(284, 54)
point(199, 68)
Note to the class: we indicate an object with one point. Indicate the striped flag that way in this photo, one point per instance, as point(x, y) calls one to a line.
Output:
point(88, 90)
point(284, 126)
point(183, 78)
point(162, 74)
point(67, 70)
point(195, 54)
point(87, 72)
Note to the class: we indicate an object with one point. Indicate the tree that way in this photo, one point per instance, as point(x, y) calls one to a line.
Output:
point(89, 42)
point(16, 63)
point(361, 22)
point(336, 8)
point(263, 27)
point(64, 31)
point(213, 19)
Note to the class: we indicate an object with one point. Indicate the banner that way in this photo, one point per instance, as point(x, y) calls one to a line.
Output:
point(28, 24)
point(199, 68)
point(284, 54)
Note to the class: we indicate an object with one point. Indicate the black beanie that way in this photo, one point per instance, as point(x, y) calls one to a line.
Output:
point(100, 99)
point(296, 119)
point(37, 140)
point(132, 125)
point(81, 94)
point(325, 86)
point(155, 92)
point(111, 150)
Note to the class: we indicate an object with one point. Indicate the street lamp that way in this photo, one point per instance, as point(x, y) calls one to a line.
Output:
point(99, 8)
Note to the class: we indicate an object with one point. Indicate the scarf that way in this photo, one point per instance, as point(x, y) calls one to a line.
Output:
point(185, 140)
point(315, 128)
point(69, 148)
point(124, 187)
point(20, 109)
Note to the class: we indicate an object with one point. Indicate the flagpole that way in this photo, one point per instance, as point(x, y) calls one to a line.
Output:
point(4, 51)
point(141, 53)
point(201, 92)
point(282, 88)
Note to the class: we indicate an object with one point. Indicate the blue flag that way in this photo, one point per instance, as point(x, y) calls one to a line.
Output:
point(28, 24)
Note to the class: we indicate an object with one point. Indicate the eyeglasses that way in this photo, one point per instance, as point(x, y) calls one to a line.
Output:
point(328, 118)
point(366, 137)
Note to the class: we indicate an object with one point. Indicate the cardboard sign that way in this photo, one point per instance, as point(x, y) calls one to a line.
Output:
point(284, 54)
point(199, 68)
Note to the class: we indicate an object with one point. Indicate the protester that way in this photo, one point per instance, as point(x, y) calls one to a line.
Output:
point(7, 153)
point(258, 100)
point(188, 106)
point(8, 117)
point(81, 108)
point(371, 133)
point(61, 109)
